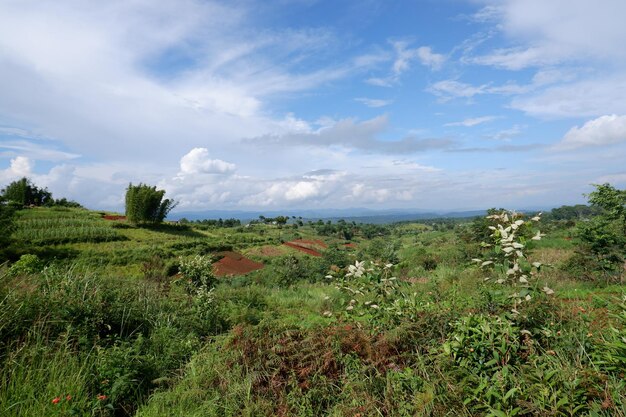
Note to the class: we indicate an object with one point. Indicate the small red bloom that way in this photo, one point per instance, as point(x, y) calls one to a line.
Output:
point(56, 400)
point(102, 397)
point(68, 397)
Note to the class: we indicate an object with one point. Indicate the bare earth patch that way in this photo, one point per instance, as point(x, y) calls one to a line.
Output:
point(234, 263)
point(308, 246)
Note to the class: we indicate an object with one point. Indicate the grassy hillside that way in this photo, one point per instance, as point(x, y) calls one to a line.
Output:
point(109, 319)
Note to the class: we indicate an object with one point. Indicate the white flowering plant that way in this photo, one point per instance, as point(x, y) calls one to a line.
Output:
point(371, 291)
point(509, 244)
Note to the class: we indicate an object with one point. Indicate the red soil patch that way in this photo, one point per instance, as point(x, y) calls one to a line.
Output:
point(308, 246)
point(310, 243)
point(301, 248)
point(234, 263)
point(113, 217)
point(350, 245)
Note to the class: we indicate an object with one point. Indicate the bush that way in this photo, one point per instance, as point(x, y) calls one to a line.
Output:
point(27, 264)
point(198, 271)
point(145, 204)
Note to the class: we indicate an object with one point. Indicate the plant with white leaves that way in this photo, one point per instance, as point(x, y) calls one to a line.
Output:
point(370, 291)
point(509, 244)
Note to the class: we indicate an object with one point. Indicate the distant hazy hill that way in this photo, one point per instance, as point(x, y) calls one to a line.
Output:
point(359, 215)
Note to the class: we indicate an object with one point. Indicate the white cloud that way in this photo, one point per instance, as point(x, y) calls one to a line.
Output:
point(587, 98)
point(507, 134)
point(557, 31)
point(351, 134)
point(197, 161)
point(99, 77)
point(472, 121)
point(452, 88)
point(19, 167)
point(605, 130)
point(374, 103)
point(429, 58)
point(405, 55)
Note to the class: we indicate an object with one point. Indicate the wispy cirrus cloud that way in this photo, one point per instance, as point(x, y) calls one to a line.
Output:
point(373, 102)
point(473, 121)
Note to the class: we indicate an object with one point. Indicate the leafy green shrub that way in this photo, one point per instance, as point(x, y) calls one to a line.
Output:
point(198, 272)
point(483, 344)
point(27, 264)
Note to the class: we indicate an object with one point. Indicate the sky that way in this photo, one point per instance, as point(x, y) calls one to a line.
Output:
point(290, 104)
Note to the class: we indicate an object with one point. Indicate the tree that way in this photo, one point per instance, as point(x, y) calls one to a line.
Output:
point(23, 192)
point(612, 201)
point(6, 225)
point(145, 204)
point(604, 236)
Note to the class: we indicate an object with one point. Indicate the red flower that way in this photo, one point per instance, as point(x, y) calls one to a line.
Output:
point(68, 397)
point(102, 397)
point(56, 400)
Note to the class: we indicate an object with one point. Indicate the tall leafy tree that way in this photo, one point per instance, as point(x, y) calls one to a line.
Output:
point(604, 236)
point(25, 193)
point(145, 204)
point(6, 225)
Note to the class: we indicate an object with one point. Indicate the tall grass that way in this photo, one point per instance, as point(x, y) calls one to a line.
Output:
point(55, 230)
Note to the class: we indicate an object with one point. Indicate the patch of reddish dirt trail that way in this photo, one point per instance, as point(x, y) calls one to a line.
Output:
point(233, 263)
point(113, 217)
point(308, 246)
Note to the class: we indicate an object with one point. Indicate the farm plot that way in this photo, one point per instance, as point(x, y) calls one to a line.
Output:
point(57, 230)
point(233, 263)
point(309, 246)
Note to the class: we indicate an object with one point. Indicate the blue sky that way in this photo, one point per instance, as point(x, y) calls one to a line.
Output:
point(447, 104)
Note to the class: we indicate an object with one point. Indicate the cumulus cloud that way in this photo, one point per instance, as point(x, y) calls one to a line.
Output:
point(197, 161)
point(605, 130)
point(19, 166)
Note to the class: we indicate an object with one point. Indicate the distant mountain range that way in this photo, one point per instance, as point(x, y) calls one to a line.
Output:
point(359, 215)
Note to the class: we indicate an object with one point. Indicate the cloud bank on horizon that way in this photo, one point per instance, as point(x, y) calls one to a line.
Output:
point(309, 104)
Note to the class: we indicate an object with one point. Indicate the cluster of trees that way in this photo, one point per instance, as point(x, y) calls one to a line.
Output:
point(279, 220)
point(23, 193)
point(347, 230)
point(145, 204)
point(213, 223)
point(577, 212)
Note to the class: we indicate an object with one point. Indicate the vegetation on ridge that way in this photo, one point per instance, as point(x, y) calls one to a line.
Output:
point(508, 315)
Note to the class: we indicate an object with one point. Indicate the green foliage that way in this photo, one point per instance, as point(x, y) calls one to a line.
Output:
point(24, 193)
point(372, 293)
point(27, 264)
point(145, 204)
point(484, 344)
point(103, 326)
point(577, 212)
point(197, 273)
point(7, 225)
point(509, 245)
point(60, 229)
point(604, 236)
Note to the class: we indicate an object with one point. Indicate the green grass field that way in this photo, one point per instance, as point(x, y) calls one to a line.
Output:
point(102, 322)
